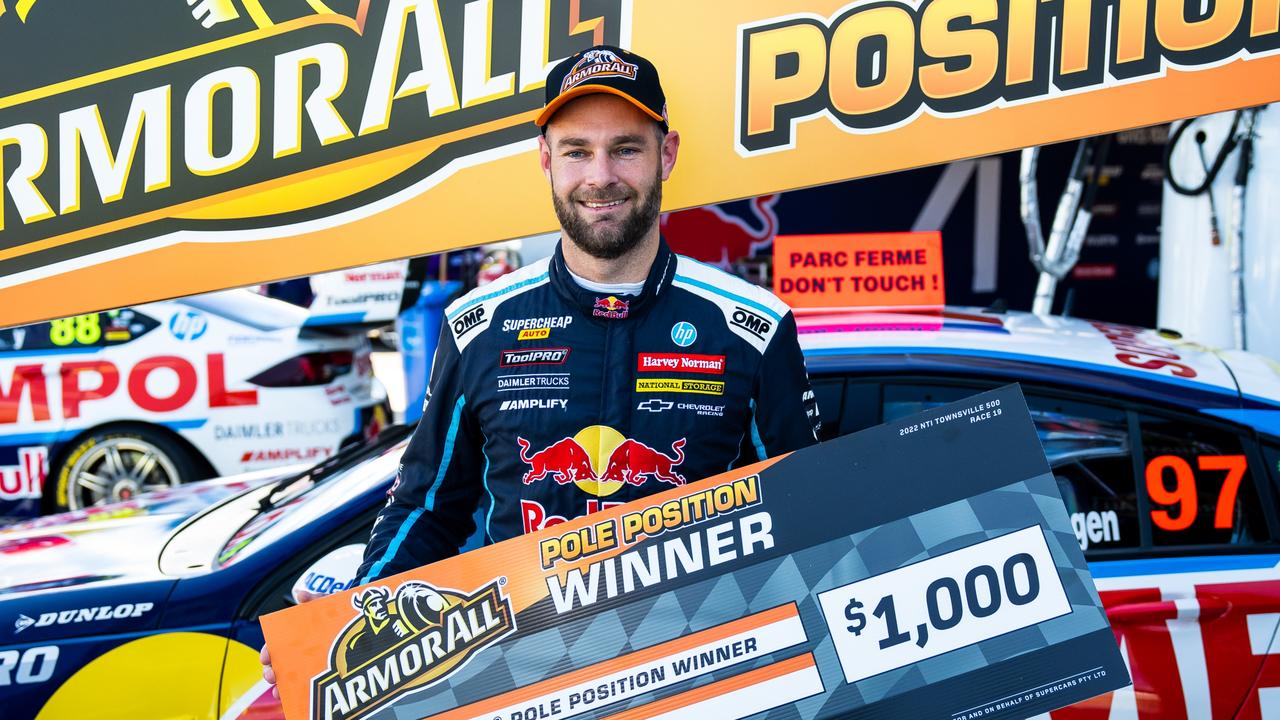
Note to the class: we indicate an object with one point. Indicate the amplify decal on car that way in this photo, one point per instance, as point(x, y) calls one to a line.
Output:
point(537, 356)
point(278, 455)
point(680, 385)
point(611, 307)
point(416, 636)
point(25, 480)
point(677, 362)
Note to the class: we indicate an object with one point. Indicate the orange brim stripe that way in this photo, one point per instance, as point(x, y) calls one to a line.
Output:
point(587, 89)
point(715, 689)
point(547, 687)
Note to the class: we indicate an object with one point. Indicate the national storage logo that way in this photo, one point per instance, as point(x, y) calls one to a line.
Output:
point(299, 120)
point(408, 639)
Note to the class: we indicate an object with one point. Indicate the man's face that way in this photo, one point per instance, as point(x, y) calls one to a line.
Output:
point(606, 161)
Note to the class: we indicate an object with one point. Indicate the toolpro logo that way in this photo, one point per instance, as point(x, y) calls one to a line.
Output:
point(611, 307)
point(537, 356)
point(405, 639)
point(210, 125)
point(598, 64)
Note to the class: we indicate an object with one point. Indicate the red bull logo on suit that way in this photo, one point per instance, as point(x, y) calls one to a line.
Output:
point(600, 461)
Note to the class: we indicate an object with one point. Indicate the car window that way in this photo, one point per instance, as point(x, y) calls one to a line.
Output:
point(828, 393)
point(100, 329)
point(1089, 449)
point(1199, 484)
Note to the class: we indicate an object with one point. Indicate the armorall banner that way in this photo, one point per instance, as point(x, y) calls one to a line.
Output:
point(925, 568)
point(156, 148)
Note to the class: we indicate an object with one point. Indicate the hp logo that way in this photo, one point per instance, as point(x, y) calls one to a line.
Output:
point(683, 333)
point(188, 325)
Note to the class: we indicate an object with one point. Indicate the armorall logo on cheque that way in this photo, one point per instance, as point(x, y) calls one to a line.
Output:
point(406, 640)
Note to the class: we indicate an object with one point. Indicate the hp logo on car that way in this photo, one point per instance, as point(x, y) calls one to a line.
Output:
point(188, 325)
point(683, 333)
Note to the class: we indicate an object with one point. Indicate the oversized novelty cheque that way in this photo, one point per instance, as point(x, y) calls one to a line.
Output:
point(925, 568)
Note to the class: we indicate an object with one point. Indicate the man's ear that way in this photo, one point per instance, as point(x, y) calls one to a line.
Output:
point(670, 148)
point(544, 156)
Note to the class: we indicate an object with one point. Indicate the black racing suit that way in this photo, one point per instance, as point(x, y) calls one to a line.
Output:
point(556, 402)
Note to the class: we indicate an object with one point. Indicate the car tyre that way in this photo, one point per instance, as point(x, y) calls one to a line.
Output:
point(114, 465)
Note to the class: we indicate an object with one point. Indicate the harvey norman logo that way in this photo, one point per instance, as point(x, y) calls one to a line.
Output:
point(215, 136)
point(406, 639)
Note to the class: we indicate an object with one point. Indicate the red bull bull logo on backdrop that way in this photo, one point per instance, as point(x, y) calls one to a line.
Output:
point(600, 461)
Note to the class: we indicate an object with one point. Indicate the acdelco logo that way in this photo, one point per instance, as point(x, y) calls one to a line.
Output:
point(539, 356)
point(417, 635)
point(751, 322)
point(323, 96)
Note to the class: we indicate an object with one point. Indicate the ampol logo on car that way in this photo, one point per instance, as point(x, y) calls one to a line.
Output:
point(104, 406)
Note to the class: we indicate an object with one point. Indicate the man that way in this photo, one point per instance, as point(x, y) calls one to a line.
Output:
point(610, 371)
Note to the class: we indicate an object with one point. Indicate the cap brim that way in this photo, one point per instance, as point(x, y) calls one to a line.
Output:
point(587, 89)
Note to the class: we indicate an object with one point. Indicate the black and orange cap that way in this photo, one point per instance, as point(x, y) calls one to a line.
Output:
point(605, 69)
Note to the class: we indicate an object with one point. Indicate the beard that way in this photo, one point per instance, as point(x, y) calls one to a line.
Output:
point(610, 239)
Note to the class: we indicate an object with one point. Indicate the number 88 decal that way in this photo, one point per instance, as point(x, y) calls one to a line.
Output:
point(1183, 493)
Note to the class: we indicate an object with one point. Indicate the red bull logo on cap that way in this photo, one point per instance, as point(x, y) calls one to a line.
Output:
point(611, 307)
point(599, 460)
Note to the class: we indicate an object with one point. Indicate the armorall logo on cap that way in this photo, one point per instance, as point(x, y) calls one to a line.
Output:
point(598, 63)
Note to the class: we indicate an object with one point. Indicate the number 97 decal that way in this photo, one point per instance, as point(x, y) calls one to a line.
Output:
point(1183, 493)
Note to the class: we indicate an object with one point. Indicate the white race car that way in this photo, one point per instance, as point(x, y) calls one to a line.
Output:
point(100, 407)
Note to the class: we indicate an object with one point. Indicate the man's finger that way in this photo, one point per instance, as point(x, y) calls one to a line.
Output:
point(265, 655)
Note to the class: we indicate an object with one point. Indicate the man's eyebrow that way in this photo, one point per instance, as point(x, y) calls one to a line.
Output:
point(572, 141)
point(616, 140)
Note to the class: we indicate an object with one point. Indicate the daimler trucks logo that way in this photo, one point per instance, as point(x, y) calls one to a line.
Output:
point(214, 133)
point(406, 639)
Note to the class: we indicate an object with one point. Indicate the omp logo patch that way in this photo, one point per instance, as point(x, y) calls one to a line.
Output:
point(468, 321)
point(541, 333)
point(680, 385)
point(405, 639)
point(536, 356)
point(751, 322)
point(598, 63)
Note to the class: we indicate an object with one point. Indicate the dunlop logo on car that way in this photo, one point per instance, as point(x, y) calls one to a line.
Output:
point(408, 639)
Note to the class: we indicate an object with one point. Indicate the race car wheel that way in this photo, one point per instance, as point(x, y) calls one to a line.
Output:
point(114, 466)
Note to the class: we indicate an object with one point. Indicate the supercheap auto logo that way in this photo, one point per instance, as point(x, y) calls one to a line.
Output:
point(406, 639)
point(218, 133)
point(876, 65)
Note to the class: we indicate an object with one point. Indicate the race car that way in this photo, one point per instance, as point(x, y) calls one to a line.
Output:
point(100, 407)
point(1166, 454)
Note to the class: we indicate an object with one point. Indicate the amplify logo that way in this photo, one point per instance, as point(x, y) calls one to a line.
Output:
point(418, 636)
point(218, 132)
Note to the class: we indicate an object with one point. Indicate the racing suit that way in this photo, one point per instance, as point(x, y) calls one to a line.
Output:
point(556, 402)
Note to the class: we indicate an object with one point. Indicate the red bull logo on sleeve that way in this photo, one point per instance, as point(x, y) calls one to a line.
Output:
point(611, 307)
point(600, 461)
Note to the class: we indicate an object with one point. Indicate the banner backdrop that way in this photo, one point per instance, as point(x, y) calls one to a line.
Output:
point(925, 568)
point(160, 151)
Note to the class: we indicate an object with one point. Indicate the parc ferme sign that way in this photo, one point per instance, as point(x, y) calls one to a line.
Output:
point(859, 270)
point(248, 143)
